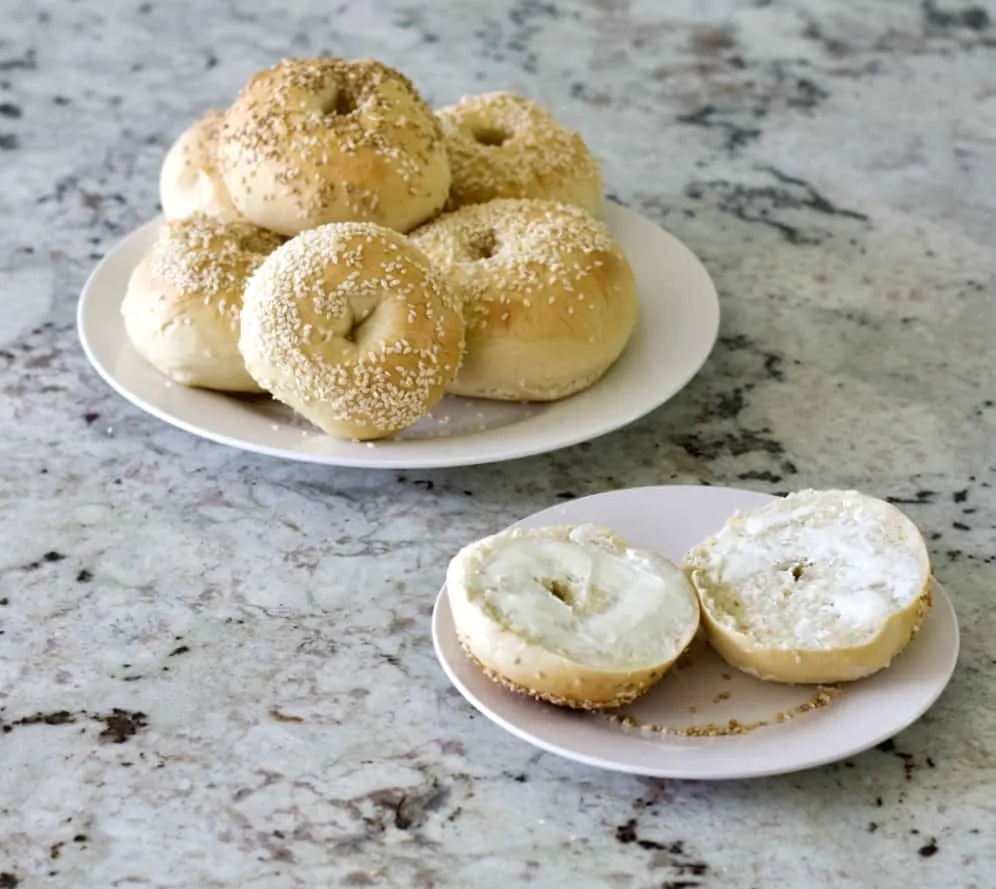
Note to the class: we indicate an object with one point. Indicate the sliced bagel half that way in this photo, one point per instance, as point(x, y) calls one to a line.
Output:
point(571, 614)
point(816, 587)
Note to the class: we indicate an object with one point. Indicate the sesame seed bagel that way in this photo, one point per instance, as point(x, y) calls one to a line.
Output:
point(570, 615)
point(549, 297)
point(189, 180)
point(314, 141)
point(182, 307)
point(350, 326)
point(502, 145)
point(816, 587)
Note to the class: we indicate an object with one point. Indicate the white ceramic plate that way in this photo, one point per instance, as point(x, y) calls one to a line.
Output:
point(677, 329)
point(671, 520)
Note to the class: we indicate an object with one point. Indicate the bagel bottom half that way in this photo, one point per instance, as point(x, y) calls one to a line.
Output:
point(570, 615)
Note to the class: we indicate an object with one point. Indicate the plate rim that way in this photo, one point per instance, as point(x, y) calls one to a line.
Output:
point(426, 459)
point(942, 599)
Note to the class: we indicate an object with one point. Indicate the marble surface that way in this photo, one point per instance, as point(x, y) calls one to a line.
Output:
point(216, 670)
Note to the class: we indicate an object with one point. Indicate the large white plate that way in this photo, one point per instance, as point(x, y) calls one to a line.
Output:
point(677, 329)
point(671, 520)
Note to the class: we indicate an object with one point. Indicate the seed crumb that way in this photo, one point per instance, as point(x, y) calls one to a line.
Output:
point(822, 697)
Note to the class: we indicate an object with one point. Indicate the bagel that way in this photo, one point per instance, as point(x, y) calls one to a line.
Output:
point(181, 309)
point(816, 587)
point(549, 298)
point(314, 141)
point(349, 325)
point(502, 145)
point(189, 180)
point(570, 615)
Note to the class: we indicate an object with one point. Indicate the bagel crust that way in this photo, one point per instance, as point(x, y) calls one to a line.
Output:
point(818, 587)
point(502, 145)
point(190, 181)
point(350, 326)
point(570, 615)
point(550, 300)
point(182, 308)
point(314, 141)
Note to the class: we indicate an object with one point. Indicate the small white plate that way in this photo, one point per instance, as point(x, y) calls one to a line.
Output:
point(676, 331)
point(671, 520)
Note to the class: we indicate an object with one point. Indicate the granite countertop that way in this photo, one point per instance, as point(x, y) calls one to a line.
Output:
point(216, 669)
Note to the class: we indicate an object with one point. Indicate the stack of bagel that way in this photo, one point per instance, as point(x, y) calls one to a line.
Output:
point(333, 241)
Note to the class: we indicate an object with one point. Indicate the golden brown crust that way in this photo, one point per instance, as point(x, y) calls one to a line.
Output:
point(549, 297)
point(314, 141)
point(502, 145)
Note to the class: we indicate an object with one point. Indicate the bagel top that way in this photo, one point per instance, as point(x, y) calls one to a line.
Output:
point(189, 180)
point(835, 573)
point(550, 299)
point(349, 325)
point(314, 141)
point(503, 145)
point(571, 614)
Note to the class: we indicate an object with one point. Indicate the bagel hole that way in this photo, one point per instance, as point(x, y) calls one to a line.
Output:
point(798, 570)
point(483, 245)
point(356, 331)
point(491, 136)
point(559, 589)
point(363, 309)
point(341, 104)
